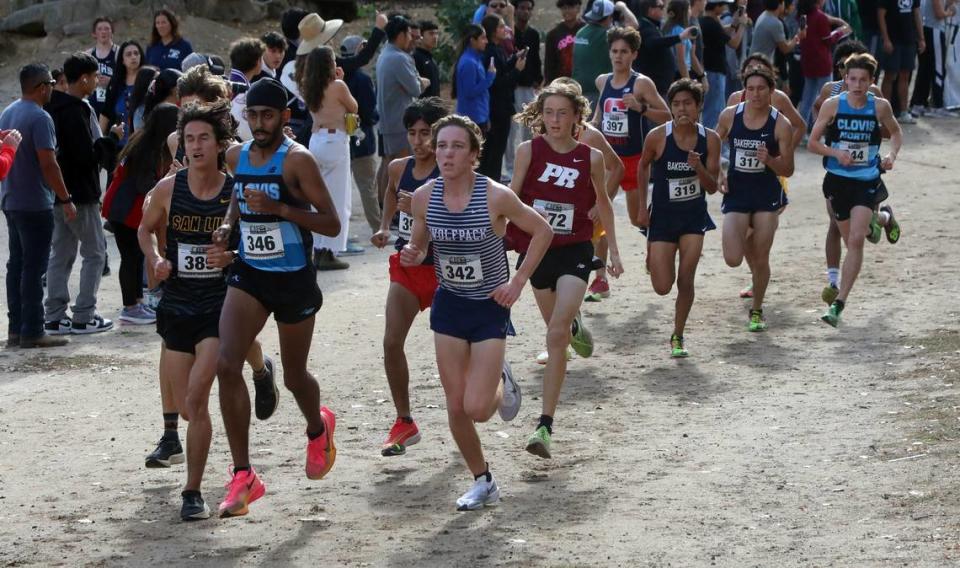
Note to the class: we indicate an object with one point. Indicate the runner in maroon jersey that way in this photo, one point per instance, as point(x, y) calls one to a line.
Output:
point(563, 179)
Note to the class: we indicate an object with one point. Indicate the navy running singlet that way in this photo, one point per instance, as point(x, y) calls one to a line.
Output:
point(676, 187)
point(746, 172)
point(623, 128)
point(403, 221)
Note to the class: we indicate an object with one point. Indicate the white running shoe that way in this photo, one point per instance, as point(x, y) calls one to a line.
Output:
point(906, 118)
point(544, 356)
point(510, 404)
point(919, 110)
point(482, 493)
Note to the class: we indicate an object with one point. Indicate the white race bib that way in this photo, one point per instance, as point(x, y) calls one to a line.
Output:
point(859, 151)
point(405, 226)
point(192, 262)
point(262, 241)
point(559, 215)
point(615, 123)
point(462, 271)
point(100, 94)
point(684, 189)
point(748, 162)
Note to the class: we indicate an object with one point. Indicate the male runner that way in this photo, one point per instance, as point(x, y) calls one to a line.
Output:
point(761, 149)
point(411, 287)
point(626, 98)
point(277, 181)
point(187, 205)
point(851, 122)
point(564, 179)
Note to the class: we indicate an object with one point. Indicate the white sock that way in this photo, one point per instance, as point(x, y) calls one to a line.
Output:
point(833, 276)
point(883, 218)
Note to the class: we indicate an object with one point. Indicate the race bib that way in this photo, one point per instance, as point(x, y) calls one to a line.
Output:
point(100, 94)
point(192, 262)
point(859, 151)
point(559, 215)
point(262, 241)
point(615, 123)
point(748, 162)
point(684, 189)
point(405, 226)
point(462, 271)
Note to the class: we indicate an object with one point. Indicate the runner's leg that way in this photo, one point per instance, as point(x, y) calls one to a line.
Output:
point(563, 305)
point(662, 258)
point(402, 308)
point(854, 232)
point(735, 227)
point(295, 341)
point(200, 430)
point(691, 246)
point(453, 360)
point(764, 228)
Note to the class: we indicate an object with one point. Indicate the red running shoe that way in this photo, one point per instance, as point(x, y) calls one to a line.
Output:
point(321, 453)
point(400, 437)
point(243, 488)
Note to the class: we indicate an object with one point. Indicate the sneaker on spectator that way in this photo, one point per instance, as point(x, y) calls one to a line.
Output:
point(906, 118)
point(96, 325)
point(138, 315)
point(61, 327)
point(942, 113)
point(919, 110)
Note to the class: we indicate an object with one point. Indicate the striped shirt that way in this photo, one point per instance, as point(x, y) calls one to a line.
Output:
point(469, 258)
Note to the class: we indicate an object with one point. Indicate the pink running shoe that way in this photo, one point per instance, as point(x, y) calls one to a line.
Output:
point(321, 453)
point(243, 488)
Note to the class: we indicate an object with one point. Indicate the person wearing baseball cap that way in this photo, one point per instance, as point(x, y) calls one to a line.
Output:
point(715, 40)
point(590, 57)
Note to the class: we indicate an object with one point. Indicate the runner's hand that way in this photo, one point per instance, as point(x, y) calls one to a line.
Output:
point(289, 133)
point(888, 47)
point(763, 154)
point(507, 293)
point(492, 68)
point(615, 268)
point(887, 162)
point(693, 159)
point(162, 268)
point(594, 214)
point(410, 255)
point(630, 100)
point(222, 234)
point(723, 184)
point(117, 130)
point(175, 167)
point(643, 218)
point(403, 201)
point(217, 257)
point(259, 202)
point(844, 158)
point(380, 239)
point(381, 21)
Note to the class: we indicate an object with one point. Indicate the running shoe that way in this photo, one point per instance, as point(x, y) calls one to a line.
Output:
point(942, 113)
point(267, 394)
point(747, 292)
point(538, 443)
point(243, 488)
point(892, 228)
point(832, 315)
point(325, 260)
point(582, 340)
point(96, 325)
point(510, 403)
point(876, 231)
point(138, 315)
point(352, 249)
point(168, 451)
point(402, 435)
point(481, 493)
point(598, 290)
point(321, 452)
point(829, 294)
point(906, 118)
point(543, 357)
point(61, 327)
point(193, 508)
point(757, 323)
point(677, 350)
point(920, 110)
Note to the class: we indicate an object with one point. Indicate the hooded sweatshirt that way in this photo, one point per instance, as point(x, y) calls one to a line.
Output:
point(80, 151)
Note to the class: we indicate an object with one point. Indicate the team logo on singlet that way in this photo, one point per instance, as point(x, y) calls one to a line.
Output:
point(560, 176)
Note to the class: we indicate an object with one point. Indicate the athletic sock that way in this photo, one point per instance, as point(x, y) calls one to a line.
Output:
point(314, 435)
point(833, 277)
point(840, 305)
point(237, 470)
point(170, 422)
point(261, 374)
point(883, 218)
point(189, 492)
point(485, 473)
point(407, 419)
point(546, 421)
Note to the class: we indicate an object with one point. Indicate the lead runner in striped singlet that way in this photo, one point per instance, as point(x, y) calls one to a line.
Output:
point(465, 215)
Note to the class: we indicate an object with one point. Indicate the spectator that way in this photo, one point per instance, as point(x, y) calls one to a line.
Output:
point(246, 57)
point(715, 40)
point(167, 48)
point(696, 58)
point(590, 51)
point(736, 55)
point(397, 85)
point(130, 59)
point(816, 47)
point(144, 160)
point(80, 154)
point(290, 26)
point(9, 142)
point(656, 59)
point(415, 34)
point(423, 58)
point(163, 90)
point(769, 35)
point(528, 80)
point(501, 91)
point(138, 97)
point(363, 145)
point(27, 197)
point(105, 52)
point(273, 56)
point(902, 33)
point(558, 46)
point(505, 10)
point(870, 29)
point(61, 80)
point(678, 19)
point(473, 77)
point(932, 69)
point(847, 11)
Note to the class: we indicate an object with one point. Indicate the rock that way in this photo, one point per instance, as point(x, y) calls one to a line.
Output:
point(60, 15)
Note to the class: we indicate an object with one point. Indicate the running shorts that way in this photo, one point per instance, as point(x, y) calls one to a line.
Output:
point(291, 296)
point(753, 200)
point(845, 193)
point(470, 320)
point(183, 333)
point(575, 260)
point(420, 280)
point(671, 226)
point(631, 165)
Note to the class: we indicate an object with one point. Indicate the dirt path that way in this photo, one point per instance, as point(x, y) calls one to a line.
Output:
point(800, 446)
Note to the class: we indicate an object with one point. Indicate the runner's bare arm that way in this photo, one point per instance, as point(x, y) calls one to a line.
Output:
point(605, 209)
point(394, 171)
point(600, 83)
point(821, 98)
point(781, 165)
point(827, 113)
point(782, 103)
point(710, 177)
point(506, 204)
point(153, 221)
point(611, 161)
point(725, 122)
point(652, 150)
point(307, 179)
point(657, 110)
point(888, 121)
point(521, 163)
point(415, 250)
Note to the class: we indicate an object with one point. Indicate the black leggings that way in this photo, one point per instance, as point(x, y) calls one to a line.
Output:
point(494, 146)
point(131, 263)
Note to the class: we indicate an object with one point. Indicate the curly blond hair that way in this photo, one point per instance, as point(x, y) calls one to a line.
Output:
point(532, 114)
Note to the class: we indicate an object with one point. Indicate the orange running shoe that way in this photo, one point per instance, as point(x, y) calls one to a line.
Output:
point(321, 453)
point(401, 436)
point(243, 488)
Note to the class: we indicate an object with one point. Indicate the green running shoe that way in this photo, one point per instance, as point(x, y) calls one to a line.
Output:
point(757, 323)
point(582, 341)
point(829, 294)
point(676, 347)
point(832, 315)
point(892, 228)
point(876, 231)
point(538, 443)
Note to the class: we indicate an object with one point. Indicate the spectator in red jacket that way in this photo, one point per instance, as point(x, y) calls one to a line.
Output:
point(9, 140)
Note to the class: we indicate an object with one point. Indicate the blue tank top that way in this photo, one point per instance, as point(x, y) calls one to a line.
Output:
point(746, 172)
point(470, 258)
point(268, 242)
point(622, 128)
point(676, 187)
point(403, 221)
point(858, 132)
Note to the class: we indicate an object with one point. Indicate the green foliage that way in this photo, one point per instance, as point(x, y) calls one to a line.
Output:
point(454, 17)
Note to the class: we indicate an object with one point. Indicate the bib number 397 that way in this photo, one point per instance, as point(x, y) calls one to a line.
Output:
point(461, 271)
point(405, 225)
point(262, 241)
point(616, 124)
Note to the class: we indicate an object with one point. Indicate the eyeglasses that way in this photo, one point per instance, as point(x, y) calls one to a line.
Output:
point(49, 82)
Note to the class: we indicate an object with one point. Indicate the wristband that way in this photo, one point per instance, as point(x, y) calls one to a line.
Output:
point(69, 199)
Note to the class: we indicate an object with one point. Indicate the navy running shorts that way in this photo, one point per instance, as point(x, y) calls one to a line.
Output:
point(470, 320)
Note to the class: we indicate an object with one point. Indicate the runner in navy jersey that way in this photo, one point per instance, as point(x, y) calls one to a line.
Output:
point(564, 180)
point(465, 215)
point(684, 157)
point(411, 287)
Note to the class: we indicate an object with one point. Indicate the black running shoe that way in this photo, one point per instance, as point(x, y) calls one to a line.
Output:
point(267, 393)
point(193, 508)
point(169, 451)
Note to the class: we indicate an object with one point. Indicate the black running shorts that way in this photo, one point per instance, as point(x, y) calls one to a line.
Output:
point(291, 296)
point(183, 333)
point(575, 259)
point(845, 193)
